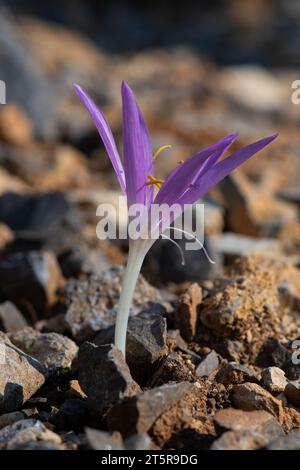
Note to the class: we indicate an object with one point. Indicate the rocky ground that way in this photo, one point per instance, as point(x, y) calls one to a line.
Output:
point(210, 358)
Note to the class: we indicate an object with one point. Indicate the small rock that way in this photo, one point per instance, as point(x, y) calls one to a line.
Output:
point(250, 396)
point(289, 442)
point(44, 221)
point(273, 353)
point(33, 277)
point(76, 390)
point(139, 441)
point(240, 440)
point(25, 431)
point(164, 264)
point(56, 352)
point(15, 127)
point(247, 214)
point(292, 392)
point(10, 418)
point(101, 440)
point(172, 369)
point(185, 318)
point(209, 365)
point(104, 375)
point(92, 302)
point(262, 422)
point(11, 319)
point(72, 414)
point(234, 373)
point(145, 343)
point(274, 380)
point(138, 413)
point(20, 376)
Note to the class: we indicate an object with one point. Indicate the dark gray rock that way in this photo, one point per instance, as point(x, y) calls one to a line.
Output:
point(9, 418)
point(292, 392)
point(164, 264)
point(31, 277)
point(11, 319)
point(20, 376)
point(104, 375)
point(46, 221)
point(72, 414)
point(209, 365)
point(56, 352)
point(145, 343)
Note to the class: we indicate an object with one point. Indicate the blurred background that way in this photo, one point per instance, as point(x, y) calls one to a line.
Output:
point(199, 70)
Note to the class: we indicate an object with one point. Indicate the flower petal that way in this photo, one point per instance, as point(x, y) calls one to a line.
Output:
point(218, 172)
point(187, 173)
point(137, 150)
point(105, 133)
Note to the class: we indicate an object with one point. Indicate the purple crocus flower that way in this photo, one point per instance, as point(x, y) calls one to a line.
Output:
point(186, 184)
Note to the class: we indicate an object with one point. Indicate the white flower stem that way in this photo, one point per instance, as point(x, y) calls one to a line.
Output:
point(134, 263)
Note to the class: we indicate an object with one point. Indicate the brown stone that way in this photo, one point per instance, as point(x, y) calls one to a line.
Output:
point(15, 126)
point(185, 318)
point(250, 396)
point(139, 413)
point(20, 376)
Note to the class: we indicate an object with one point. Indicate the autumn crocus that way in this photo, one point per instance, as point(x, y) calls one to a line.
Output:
point(189, 181)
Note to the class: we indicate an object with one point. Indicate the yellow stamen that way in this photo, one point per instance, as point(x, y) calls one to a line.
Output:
point(180, 162)
point(159, 150)
point(155, 181)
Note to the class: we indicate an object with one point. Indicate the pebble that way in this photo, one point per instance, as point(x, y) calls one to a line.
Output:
point(22, 432)
point(56, 352)
point(231, 419)
point(104, 375)
point(31, 276)
point(185, 318)
point(209, 365)
point(292, 392)
point(274, 380)
point(234, 373)
point(11, 319)
point(251, 396)
point(138, 413)
point(20, 376)
point(146, 343)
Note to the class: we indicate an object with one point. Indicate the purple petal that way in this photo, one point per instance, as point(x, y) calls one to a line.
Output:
point(186, 174)
point(218, 172)
point(137, 150)
point(146, 144)
point(105, 133)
